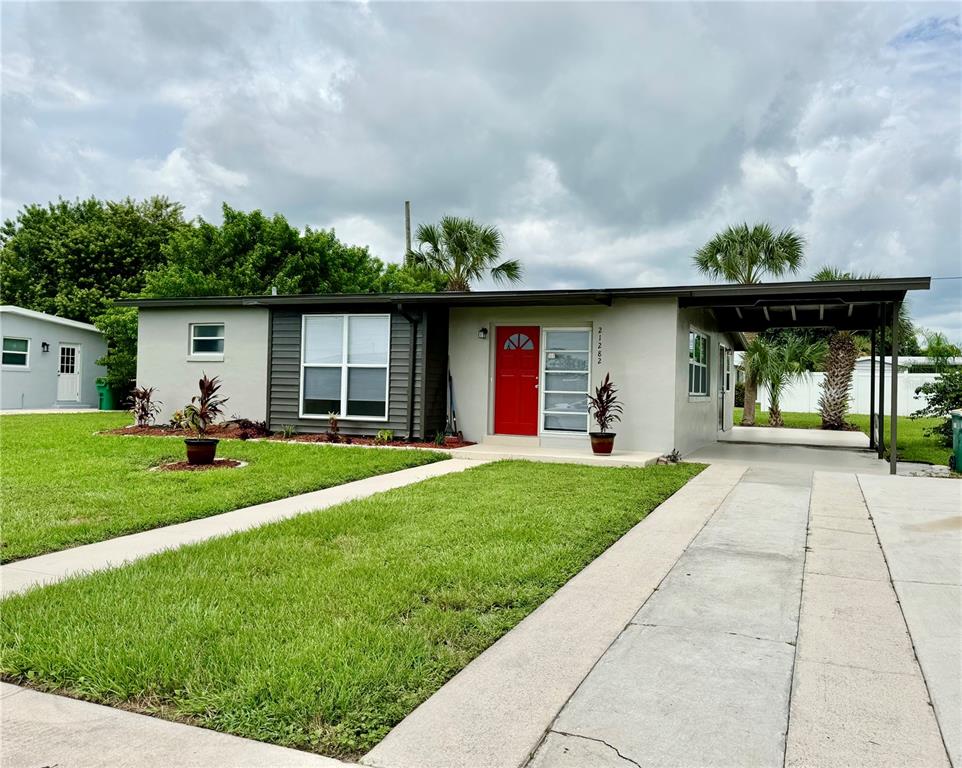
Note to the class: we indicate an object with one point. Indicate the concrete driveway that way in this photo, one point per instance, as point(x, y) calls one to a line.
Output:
point(810, 618)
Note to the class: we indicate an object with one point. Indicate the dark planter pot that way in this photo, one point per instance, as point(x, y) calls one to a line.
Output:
point(602, 442)
point(201, 450)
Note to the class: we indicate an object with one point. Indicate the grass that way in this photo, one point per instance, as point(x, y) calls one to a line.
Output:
point(914, 445)
point(62, 485)
point(323, 631)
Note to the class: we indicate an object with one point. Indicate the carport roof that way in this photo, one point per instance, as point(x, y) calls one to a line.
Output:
point(842, 304)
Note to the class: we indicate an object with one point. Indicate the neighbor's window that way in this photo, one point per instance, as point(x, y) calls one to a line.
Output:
point(16, 352)
point(207, 339)
point(344, 365)
point(697, 363)
point(566, 380)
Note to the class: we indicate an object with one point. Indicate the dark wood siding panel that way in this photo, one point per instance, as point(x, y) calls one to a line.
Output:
point(285, 378)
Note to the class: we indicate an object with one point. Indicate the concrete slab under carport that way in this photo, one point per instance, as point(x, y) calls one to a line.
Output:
point(822, 438)
point(801, 459)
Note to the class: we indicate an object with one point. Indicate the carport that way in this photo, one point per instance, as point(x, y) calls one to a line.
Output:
point(870, 306)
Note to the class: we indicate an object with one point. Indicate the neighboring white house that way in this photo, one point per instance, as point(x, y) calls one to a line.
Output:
point(864, 364)
point(48, 361)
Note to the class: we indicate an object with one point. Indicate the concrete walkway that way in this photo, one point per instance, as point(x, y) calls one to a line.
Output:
point(39, 729)
point(23, 574)
point(500, 451)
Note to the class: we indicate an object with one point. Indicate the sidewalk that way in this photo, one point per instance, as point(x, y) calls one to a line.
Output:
point(23, 574)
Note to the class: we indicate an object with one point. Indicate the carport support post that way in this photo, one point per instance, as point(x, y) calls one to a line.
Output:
point(894, 413)
point(881, 387)
point(871, 395)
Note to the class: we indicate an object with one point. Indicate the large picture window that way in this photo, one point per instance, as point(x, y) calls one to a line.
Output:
point(566, 380)
point(344, 365)
point(16, 352)
point(697, 363)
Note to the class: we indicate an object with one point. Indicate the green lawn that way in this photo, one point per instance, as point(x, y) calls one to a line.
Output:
point(62, 485)
point(323, 631)
point(913, 444)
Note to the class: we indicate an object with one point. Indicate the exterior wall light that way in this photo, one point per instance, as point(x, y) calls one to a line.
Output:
point(483, 333)
point(44, 346)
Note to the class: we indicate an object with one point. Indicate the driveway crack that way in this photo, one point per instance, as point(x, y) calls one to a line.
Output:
point(599, 741)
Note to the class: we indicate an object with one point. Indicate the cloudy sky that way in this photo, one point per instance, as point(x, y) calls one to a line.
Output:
point(608, 141)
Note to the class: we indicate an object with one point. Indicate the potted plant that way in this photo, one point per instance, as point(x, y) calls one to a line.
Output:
point(606, 409)
point(201, 413)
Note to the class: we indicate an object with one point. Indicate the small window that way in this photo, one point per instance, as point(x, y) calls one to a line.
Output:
point(16, 352)
point(207, 339)
point(697, 364)
point(518, 341)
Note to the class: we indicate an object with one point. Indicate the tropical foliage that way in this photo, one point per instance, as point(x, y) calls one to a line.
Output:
point(744, 254)
point(939, 348)
point(464, 252)
point(205, 407)
point(776, 364)
point(942, 395)
point(604, 405)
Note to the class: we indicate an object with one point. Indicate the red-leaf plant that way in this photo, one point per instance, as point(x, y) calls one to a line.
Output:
point(604, 405)
point(204, 408)
point(144, 407)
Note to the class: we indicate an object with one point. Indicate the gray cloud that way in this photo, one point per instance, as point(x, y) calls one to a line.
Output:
point(607, 141)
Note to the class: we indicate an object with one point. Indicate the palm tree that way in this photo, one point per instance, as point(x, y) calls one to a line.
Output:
point(776, 364)
point(844, 348)
point(746, 254)
point(464, 252)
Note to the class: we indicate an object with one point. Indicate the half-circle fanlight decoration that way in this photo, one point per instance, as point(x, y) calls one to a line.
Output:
point(518, 341)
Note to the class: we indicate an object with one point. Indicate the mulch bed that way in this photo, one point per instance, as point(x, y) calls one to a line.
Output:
point(252, 431)
point(183, 466)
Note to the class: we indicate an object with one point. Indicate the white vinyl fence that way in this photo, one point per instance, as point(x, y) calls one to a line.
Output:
point(802, 396)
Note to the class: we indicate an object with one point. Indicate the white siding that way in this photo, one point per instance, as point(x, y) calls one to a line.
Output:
point(164, 360)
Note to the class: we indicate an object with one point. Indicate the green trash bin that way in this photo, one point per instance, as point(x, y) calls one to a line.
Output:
point(955, 460)
point(106, 395)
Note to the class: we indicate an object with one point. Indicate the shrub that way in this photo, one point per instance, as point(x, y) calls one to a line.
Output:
point(384, 436)
point(144, 408)
point(204, 408)
point(740, 394)
point(179, 420)
point(944, 395)
point(333, 429)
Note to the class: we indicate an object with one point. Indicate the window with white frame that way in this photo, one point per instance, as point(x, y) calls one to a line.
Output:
point(566, 380)
point(344, 365)
point(206, 339)
point(697, 363)
point(16, 352)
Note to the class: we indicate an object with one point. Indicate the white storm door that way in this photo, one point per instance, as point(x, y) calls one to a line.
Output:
point(68, 373)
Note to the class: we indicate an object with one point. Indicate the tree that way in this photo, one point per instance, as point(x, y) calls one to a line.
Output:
point(73, 258)
point(844, 348)
point(939, 348)
point(745, 255)
point(776, 364)
point(464, 252)
point(942, 396)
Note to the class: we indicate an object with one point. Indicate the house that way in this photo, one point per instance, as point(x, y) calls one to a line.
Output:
point(516, 365)
point(864, 364)
point(48, 361)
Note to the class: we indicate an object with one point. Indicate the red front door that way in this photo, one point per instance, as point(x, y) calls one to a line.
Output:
point(516, 380)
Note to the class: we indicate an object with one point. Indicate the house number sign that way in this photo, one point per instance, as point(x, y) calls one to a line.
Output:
point(598, 344)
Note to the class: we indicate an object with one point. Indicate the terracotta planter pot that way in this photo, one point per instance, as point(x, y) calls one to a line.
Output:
point(602, 442)
point(201, 450)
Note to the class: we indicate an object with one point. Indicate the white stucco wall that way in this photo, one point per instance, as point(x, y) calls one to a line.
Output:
point(696, 418)
point(36, 386)
point(637, 346)
point(164, 361)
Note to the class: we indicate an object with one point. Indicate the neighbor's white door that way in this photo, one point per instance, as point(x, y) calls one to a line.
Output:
point(68, 373)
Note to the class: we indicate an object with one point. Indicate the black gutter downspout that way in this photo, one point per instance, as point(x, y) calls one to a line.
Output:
point(412, 363)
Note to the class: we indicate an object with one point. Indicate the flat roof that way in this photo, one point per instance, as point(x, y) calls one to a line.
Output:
point(34, 315)
point(735, 298)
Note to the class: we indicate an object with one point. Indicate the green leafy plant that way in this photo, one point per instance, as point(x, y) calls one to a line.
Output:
point(384, 436)
point(604, 405)
point(942, 395)
point(439, 438)
point(288, 431)
point(179, 420)
point(777, 363)
point(206, 407)
point(144, 408)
